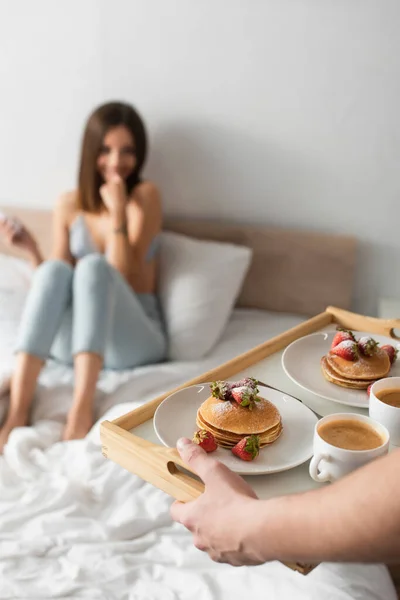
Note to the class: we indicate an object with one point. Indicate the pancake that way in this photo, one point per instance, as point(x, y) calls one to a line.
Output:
point(229, 422)
point(228, 445)
point(229, 442)
point(230, 439)
point(231, 417)
point(232, 436)
point(364, 368)
point(331, 376)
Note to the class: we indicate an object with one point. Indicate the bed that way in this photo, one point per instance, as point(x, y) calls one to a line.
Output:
point(74, 525)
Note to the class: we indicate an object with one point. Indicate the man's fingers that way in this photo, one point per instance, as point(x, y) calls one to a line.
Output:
point(200, 545)
point(179, 513)
point(195, 457)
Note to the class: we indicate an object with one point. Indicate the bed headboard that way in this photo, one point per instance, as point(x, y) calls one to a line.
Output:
point(292, 271)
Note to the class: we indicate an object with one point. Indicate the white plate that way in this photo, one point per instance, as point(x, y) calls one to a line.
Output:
point(176, 417)
point(301, 362)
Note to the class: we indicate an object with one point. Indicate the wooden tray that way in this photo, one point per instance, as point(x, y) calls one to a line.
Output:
point(159, 465)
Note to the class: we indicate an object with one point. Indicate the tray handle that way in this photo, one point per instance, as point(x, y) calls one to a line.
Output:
point(351, 320)
point(153, 463)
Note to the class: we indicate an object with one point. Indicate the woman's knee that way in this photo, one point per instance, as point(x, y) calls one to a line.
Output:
point(92, 270)
point(54, 272)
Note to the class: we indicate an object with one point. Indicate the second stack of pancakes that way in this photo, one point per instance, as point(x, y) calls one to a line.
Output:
point(229, 422)
point(358, 374)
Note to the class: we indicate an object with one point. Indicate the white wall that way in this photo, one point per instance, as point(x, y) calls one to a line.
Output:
point(272, 111)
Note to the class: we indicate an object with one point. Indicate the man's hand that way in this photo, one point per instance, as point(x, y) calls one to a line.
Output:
point(221, 518)
point(332, 523)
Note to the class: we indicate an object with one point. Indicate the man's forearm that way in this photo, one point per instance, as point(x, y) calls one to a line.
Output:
point(355, 519)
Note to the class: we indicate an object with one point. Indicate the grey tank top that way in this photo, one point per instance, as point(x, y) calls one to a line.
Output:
point(81, 242)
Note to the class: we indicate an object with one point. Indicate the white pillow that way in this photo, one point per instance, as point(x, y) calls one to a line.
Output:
point(15, 273)
point(15, 280)
point(199, 282)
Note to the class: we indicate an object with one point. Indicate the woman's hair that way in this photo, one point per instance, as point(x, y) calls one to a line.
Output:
point(100, 121)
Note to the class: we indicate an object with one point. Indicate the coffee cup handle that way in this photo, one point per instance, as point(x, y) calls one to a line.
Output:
point(320, 476)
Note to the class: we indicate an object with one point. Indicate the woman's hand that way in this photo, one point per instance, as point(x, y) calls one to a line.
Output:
point(16, 234)
point(113, 194)
point(222, 518)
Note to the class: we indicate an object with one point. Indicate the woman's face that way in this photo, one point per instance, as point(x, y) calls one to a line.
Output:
point(117, 155)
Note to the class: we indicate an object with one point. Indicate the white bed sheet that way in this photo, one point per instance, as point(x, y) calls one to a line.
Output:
point(74, 525)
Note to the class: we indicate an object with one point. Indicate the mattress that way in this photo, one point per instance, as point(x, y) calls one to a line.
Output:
point(74, 525)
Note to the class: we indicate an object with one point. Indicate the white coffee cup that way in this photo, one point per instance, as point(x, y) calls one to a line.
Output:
point(330, 463)
point(387, 415)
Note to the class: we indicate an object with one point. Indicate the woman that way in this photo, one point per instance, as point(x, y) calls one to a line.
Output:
point(93, 304)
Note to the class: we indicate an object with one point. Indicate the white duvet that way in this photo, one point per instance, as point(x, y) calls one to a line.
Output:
point(74, 525)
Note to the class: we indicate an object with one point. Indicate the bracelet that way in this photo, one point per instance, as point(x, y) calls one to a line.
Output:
point(121, 229)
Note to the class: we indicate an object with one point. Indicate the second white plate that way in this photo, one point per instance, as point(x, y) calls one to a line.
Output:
point(301, 362)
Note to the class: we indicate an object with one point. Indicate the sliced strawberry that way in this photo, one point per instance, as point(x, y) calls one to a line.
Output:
point(245, 395)
point(348, 350)
point(223, 389)
point(391, 352)
point(248, 448)
point(205, 440)
point(341, 336)
point(367, 345)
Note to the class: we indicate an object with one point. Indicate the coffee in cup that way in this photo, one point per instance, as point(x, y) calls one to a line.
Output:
point(384, 406)
point(350, 434)
point(345, 441)
point(388, 396)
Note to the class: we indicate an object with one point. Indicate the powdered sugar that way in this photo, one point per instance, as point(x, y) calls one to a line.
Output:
point(365, 339)
point(346, 344)
point(244, 389)
point(223, 406)
point(226, 406)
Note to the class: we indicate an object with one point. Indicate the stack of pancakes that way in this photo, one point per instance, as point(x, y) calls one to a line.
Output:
point(229, 422)
point(357, 374)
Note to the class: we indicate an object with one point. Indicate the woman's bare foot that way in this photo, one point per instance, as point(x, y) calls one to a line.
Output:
point(11, 422)
point(79, 423)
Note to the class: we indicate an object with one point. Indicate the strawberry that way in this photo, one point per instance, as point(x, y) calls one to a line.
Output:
point(205, 440)
point(245, 395)
point(341, 336)
point(247, 381)
point(367, 345)
point(347, 350)
point(248, 448)
point(391, 352)
point(369, 388)
point(221, 390)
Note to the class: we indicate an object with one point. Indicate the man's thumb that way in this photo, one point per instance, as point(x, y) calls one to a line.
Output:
point(194, 456)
